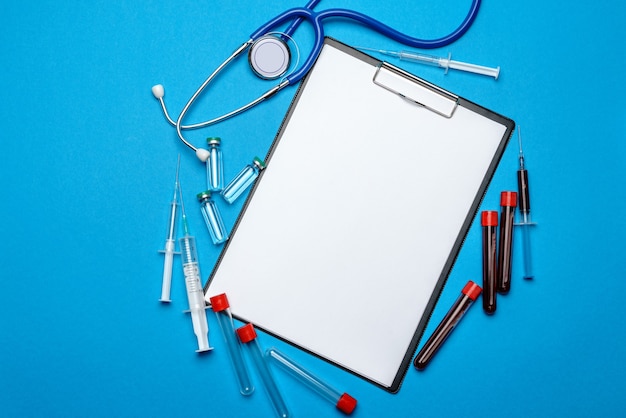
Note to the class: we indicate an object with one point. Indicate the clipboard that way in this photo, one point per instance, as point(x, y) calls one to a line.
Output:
point(347, 237)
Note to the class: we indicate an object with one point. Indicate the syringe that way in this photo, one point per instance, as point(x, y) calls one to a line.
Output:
point(445, 63)
point(524, 209)
point(170, 244)
point(195, 293)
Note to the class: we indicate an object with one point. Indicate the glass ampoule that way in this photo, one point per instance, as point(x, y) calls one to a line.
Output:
point(243, 180)
point(214, 165)
point(212, 218)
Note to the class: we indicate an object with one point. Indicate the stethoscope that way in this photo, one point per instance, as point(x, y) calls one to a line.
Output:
point(269, 56)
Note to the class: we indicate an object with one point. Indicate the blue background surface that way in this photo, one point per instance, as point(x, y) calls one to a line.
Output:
point(87, 166)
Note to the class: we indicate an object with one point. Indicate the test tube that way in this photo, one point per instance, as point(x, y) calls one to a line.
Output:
point(343, 401)
point(508, 202)
point(489, 222)
point(221, 307)
point(468, 295)
point(242, 180)
point(195, 294)
point(247, 335)
point(214, 165)
point(212, 218)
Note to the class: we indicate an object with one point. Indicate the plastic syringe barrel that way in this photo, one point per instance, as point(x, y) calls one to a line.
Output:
point(344, 402)
point(247, 335)
point(168, 263)
point(195, 294)
point(221, 307)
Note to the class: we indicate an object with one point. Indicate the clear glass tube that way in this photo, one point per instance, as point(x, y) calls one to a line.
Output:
point(214, 165)
point(195, 293)
point(212, 218)
point(243, 180)
point(489, 223)
point(508, 203)
point(221, 308)
point(344, 402)
point(247, 335)
point(468, 295)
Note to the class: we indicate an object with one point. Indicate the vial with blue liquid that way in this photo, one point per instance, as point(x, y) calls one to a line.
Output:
point(212, 218)
point(243, 180)
point(214, 165)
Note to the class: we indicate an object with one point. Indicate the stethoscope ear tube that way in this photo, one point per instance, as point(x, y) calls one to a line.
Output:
point(278, 62)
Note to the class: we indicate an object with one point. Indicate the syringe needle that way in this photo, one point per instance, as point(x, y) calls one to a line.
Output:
point(521, 152)
point(170, 244)
point(524, 206)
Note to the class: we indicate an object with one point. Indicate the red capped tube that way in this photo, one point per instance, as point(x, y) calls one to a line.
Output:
point(221, 307)
point(247, 335)
point(489, 223)
point(508, 202)
point(342, 401)
point(468, 295)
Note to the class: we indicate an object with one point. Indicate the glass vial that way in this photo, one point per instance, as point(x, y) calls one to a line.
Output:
point(243, 180)
point(214, 166)
point(212, 218)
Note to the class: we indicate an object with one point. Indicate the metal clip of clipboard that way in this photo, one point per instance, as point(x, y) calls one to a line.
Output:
point(416, 90)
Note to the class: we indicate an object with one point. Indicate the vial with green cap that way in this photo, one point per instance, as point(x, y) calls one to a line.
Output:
point(243, 180)
point(214, 165)
point(212, 217)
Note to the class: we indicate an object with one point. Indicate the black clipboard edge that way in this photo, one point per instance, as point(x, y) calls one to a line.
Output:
point(447, 269)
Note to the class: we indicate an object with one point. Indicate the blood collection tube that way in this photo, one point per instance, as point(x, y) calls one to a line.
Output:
point(468, 295)
point(212, 218)
point(214, 165)
point(221, 307)
point(508, 202)
point(344, 402)
point(247, 335)
point(242, 180)
point(489, 222)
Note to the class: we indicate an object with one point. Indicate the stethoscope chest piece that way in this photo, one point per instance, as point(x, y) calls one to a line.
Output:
point(269, 57)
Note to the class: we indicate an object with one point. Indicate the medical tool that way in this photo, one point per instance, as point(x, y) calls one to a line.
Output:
point(221, 307)
point(468, 295)
point(243, 180)
point(342, 401)
point(489, 223)
point(247, 335)
point(524, 208)
point(269, 56)
point(169, 252)
point(212, 218)
point(214, 165)
point(195, 293)
point(508, 202)
point(445, 63)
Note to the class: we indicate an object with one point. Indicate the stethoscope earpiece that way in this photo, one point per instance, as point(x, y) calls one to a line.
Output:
point(269, 57)
point(202, 154)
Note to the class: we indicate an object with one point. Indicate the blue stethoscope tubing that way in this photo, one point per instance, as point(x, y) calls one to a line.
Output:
point(316, 19)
